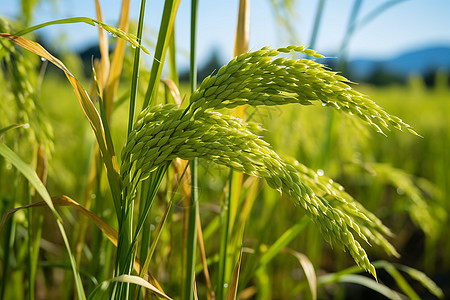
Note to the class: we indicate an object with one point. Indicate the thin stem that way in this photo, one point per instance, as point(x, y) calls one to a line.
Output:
point(135, 76)
point(224, 232)
point(349, 32)
point(317, 21)
point(165, 30)
point(188, 291)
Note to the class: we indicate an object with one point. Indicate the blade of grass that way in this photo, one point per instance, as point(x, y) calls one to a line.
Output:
point(371, 284)
point(262, 279)
point(172, 59)
point(232, 291)
point(252, 264)
point(63, 200)
point(308, 268)
point(104, 69)
point(8, 244)
point(283, 241)
point(135, 76)
point(153, 185)
point(402, 283)
point(34, 180)
point(231, 204)
point(35, 222)
point(90, 111)
point(423, 279)
point(30, 174)
point(355, 26)
point(224, 237)
point(100, 291)
point(117, 60)
point(201, 247)
point(191, 239)
point(130, 38)
point(165, 31)
point(393, 270)
point(172, 86)
point(110, 232)
point(348, 32)
point(149, 256)
point(317, 20)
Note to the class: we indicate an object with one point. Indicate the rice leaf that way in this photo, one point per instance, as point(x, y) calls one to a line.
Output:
point(165, 31)
point(117, 59)
point(104, 68)
point(401, 282)
point(116, 32)
point(423, 279)
point(232, 291)
point(33, 178)
point(173, 91)
point(415, 274)
point(308, 268)
point(63, 200)
point(90, 111)
point(201, 247)
point(371, 284)
point(136, 63)
point(140, 281)
point(110, 232)
point(283, 241)
point(101, 290)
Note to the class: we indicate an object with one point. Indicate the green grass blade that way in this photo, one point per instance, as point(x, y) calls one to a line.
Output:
point(153, 187)
point(165, 31)
point(8, 244)
point(191, 239)
point(116, 32)
point(56, 22)
point(29, 174)
point(371, 284)
point(101, 291)
point(135, 76)
point(401, 282)
point(317, 20)
point(350, 27)
point(34, 180)
point(225, 215)
point(283, 241)
point(91, 113)
point(308, 268)
point(172, 60)
point(232, 291)
point(423, 279)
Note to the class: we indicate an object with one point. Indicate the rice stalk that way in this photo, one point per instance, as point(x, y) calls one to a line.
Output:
point(165, 32)
point(192, 209)
point(136, 61)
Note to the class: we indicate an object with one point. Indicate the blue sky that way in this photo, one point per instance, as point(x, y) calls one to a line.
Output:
point(407, 25)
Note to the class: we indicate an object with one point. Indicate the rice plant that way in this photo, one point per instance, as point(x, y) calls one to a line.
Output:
point(151, 183)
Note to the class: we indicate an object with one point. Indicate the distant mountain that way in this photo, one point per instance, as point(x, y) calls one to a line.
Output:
point(420, 61)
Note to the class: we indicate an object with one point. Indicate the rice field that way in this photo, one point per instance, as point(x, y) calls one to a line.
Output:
point(273, 178)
